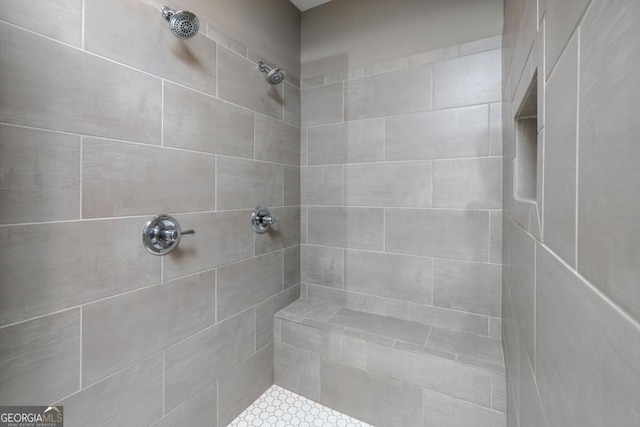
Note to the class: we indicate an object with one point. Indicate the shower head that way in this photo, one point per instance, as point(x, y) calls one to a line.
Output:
point(274, 75)
point(184, 24)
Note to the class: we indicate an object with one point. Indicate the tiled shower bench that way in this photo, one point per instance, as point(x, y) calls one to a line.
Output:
point(388, 371)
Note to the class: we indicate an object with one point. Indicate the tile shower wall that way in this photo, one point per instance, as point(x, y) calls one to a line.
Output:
point(401, 187)
point(571, 299)
point(104, 124)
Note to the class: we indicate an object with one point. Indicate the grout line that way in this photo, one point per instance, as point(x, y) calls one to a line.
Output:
point(162, 113)
point(81, 170)
point(578, 35)
point(80, 385)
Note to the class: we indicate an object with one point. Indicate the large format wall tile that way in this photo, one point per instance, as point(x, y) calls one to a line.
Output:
point(58, 19)
point(40, 359)
point(322, 105)
point(402, 277)
point(276, 141)
point(221, 238)
point(291, 177)
point(265, 311)
point(561, 20)
point(49, 267)
point(351, 142)
point(131, 397)
point(356, 228)
point(439, 233)
point(595, 352)
point(291, 266)
point(297, 370)
point(456, 132)
point(199, 410)
point(321, 185)
point(40, 178)
point(468, 80)
point(240, 82)
point(292, 105)
point(467, 286)
point(387, 94)
point(434, 373)
point(522, 285)
point(406, 184)
point(195, 121)
point(204, 357)
point(468, 183)
point(244, 384)
point(609, 177)
point(560, 151)
point(321, 265)
point(75, 92)
point(119, 331)
point(373, 398)
point(246, 283)
point(443, 411)
point(122, 179)
point(284, 234)
point(248, 183)
point(147, 43)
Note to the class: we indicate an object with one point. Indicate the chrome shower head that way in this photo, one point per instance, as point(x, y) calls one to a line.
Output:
point(274, 75)
point(184, 24)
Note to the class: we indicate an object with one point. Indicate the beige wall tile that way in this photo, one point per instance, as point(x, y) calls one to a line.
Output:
point(321, 185)
point(122, 179)
point(246, 283)
point(322, 105)
point(240, 82)
point(355, 228)
point(560, 156)
point(351, 142)
point(221, 238)
point(401, 277)
point(75, 92)
point(199, 360)
point(439, 233)
point(50, 267)
point(457, 132)
point(41, 176)
point(40, 359)
point(141, 384)
point(467, 286)
point(58, 19)
point(321, 265)
point(468, 183)
point(276, 141)
point(609, 177)
point(195, 121)
point(122, 330)
point(406, 184)
point(244, 384)
point(248, 183)
point(396, 92)
point(144, 41)
point(468, 80)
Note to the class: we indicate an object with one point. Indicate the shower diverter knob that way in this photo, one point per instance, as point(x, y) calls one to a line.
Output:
point(261, 219)
point(161, 234)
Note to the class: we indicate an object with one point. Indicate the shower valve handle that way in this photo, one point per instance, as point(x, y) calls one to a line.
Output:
point(261, 219)
point(162, 234)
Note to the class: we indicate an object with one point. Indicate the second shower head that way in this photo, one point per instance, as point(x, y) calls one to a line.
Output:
point(184, 24)
point(274, 75)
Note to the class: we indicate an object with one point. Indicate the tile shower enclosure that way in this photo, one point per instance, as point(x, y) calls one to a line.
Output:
point(388, 180)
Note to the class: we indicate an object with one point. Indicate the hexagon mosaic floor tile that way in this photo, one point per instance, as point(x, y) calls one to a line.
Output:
point(279, 407)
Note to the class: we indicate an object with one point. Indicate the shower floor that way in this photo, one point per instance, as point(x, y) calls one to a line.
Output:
point(279, 407)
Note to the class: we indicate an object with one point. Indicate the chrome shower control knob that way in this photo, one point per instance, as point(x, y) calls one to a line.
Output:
point(161, 234)
point(261, 219)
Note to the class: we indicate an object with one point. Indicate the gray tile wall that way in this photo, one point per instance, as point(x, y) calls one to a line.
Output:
point(101, 127)
point(402, 187)
point(571, 271)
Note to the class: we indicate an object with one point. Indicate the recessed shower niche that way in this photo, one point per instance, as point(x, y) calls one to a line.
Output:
point(526, 161)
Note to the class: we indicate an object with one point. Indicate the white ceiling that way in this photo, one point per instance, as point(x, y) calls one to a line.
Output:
point(308, 4)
